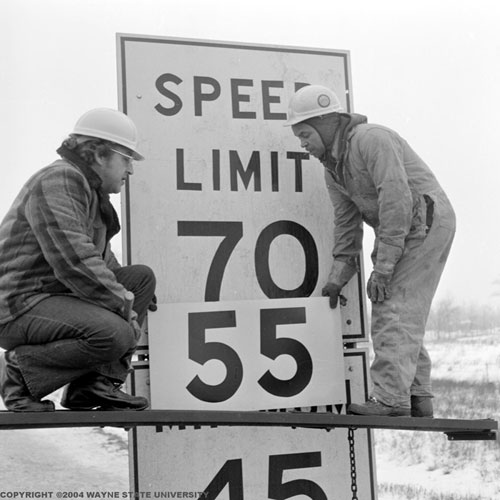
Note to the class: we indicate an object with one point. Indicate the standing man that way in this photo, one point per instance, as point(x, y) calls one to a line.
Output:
point(63, 313)
point(373, 176)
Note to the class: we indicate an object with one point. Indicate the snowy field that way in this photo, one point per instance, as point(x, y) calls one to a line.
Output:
point(426, 466)
point(410, 465)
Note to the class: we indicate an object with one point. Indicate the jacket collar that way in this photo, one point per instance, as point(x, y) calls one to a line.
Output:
point(333, 159)
point(108, 213)
point(90, 174)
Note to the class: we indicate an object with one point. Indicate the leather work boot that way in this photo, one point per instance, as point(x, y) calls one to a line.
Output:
point(421, 406)
point(100, 393)
point(375, 408)
point(15, 394)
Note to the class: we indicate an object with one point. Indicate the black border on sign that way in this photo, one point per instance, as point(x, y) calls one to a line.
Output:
point(362, 336)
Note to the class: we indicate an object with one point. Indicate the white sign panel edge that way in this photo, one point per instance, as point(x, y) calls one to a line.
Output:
point(246, 355)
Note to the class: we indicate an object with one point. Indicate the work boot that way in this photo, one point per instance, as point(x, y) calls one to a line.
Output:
point(15, 394)
point(375, 408)
point(100, 393)
point(421, 406)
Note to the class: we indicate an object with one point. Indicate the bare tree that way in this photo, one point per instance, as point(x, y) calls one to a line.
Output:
point(444, 317)
point(447, 317)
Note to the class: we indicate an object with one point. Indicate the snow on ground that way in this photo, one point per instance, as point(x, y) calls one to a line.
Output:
point(461, 482)
point(78, 459)
point(62, 460)
point(471, 357)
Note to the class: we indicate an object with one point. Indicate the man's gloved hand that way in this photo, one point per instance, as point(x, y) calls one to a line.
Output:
point(379, 287)
point(332, 290)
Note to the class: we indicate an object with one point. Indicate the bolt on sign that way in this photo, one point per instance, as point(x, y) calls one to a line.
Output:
point(235, 220)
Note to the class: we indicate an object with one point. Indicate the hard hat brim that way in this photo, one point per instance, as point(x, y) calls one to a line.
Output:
point(295, 120)
point(109, 125)
point(83, 137)
point(137, 156)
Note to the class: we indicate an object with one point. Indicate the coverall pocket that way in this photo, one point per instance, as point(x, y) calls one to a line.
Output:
point(423, 216)
point(429, 212)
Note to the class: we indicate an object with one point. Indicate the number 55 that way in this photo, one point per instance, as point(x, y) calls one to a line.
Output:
point(272, 347)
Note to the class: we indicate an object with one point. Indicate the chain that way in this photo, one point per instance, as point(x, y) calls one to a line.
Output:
point(352, 457)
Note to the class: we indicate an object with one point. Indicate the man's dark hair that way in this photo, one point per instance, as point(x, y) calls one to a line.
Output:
point(88, 148)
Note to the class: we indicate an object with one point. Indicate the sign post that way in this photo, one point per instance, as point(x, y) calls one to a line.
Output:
point(235, 220)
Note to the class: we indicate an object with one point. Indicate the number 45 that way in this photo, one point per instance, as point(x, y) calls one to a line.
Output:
point(231, 474)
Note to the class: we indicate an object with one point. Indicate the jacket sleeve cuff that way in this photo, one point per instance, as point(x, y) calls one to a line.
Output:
point(341, 272)
point(387, 258)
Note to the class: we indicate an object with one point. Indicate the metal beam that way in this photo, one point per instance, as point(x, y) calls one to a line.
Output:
point(455, 429)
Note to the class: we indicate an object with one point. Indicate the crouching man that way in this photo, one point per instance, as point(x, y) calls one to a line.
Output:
point(63, 317)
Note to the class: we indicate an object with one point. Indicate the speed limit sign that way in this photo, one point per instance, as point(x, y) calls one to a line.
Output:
point(226, 205)
point(235, 220)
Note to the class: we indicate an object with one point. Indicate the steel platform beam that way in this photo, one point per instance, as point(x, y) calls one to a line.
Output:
point(455, 429)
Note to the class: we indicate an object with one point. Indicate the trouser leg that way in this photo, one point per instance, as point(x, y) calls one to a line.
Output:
point(141, 281)
point(421, 385)
point(402, 366)
point(63, 338)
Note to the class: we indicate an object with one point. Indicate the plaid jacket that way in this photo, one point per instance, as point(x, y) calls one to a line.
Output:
point(53, 242)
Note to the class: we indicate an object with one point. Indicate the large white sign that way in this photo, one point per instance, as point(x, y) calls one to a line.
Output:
point(246, 355)
point(227, 206)
point(230, 213)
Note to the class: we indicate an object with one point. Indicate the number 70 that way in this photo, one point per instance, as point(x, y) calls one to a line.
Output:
point(233, 232)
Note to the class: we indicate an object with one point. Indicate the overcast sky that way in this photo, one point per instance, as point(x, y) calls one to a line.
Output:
point(428, 68)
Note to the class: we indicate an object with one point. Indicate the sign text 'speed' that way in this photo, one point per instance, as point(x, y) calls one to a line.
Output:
point(207, 89)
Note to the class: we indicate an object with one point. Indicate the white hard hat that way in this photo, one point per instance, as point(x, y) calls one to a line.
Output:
point(310, 101)
point(111, 125)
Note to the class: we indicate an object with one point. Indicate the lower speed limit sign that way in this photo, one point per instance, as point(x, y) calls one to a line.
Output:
point(246, 355)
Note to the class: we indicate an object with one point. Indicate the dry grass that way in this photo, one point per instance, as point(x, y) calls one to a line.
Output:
point(460, 400)
point(399, 492)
